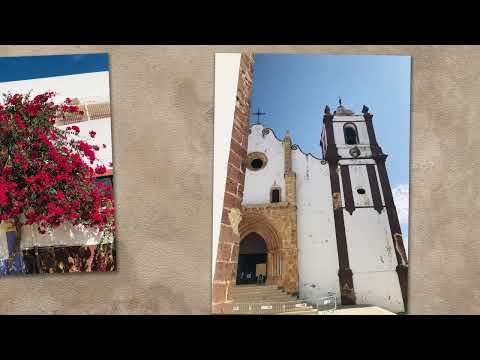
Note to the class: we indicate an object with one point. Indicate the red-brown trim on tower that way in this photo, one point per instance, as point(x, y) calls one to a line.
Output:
point(344, 273)
point(374, 189)
point(395, 229)
point(347, 189)
point(371, 135)
point(331, 154)
point(347, 291)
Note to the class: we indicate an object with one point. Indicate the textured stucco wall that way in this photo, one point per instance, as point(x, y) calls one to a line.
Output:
point(317, 245)
point(258, 183)
point(163, 149)
point(338, 124)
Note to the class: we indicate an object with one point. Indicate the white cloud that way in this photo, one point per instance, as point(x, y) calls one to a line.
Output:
point(400, 197)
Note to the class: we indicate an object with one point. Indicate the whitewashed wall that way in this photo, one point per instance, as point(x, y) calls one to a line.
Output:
point(370, 246)
point(87, 87)
point(4, 228)
point(227, 68)
point(363, 145)
point(65, 235)
point(258, 183)
point(370, 249)
point(317, 246)
point(380, 289)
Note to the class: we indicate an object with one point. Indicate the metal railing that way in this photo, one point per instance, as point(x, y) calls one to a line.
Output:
point(317, 298)
point(326, 304)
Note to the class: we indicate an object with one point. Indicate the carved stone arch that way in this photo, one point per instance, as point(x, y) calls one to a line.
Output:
point(259, 224)
point(276, 257)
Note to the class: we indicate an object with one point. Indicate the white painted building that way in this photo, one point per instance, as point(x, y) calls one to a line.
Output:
point(92, 91)
point(345, 227)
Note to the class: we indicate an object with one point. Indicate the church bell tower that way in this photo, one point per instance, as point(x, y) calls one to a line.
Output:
point(373, 265)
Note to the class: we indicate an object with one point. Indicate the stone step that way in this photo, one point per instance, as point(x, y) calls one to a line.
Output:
point(269, 292)
point(252, 292)
point(289, 301)
point(304, 310)
point(309, 311)
point(265, 291)
point(260, 296)
point(267, 296)
point(254, 289)
point(256, 286)
point(236, 296)
point(277, 298)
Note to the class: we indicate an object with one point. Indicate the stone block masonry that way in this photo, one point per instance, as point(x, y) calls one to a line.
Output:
point(228, 246)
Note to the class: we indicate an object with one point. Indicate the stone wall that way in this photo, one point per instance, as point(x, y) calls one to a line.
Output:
point(228, 246)
point(281, 240)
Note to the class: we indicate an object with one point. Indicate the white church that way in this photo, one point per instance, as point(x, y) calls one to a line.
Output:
point(325, 225)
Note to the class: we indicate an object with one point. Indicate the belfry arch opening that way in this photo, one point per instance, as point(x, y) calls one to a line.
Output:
point(350, 133)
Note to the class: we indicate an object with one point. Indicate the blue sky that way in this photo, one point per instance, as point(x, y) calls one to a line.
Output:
point(35, 67)
point(293, 90)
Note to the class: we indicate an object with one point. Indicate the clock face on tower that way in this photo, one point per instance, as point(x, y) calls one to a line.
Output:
point(355, 152)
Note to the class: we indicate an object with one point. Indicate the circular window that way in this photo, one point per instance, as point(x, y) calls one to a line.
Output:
point(361, 191)
point(255, 161)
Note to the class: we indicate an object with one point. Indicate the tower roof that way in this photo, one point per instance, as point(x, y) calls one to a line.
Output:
point(342, 110)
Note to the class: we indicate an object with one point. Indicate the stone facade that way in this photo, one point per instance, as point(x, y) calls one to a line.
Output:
point(276, 224)
point(228, 246)
point(281, 217)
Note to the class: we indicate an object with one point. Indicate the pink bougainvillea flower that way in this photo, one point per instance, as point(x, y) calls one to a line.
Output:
point(100, 169)
point(47, 178)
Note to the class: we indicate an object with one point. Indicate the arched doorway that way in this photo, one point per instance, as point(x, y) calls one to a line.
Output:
point(276, 257)
point(252, 260)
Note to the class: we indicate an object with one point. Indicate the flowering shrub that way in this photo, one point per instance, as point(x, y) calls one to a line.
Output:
point(44, 179)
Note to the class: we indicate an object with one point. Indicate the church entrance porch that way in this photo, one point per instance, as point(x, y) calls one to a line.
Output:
point(264, 253)
point(251, 269)
point(252, 260)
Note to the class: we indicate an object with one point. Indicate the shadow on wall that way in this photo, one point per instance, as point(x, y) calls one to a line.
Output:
point(57, 259)
point(65, 235)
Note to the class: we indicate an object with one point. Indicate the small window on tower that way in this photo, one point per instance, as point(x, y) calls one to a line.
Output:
point(275, 195)
point(361, 191)
point(350, 132)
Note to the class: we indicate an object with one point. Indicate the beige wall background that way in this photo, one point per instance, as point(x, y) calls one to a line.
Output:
point(162, 125)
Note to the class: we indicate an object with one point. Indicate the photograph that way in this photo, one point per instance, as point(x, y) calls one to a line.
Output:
point(57, 210)
point(311, 184)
